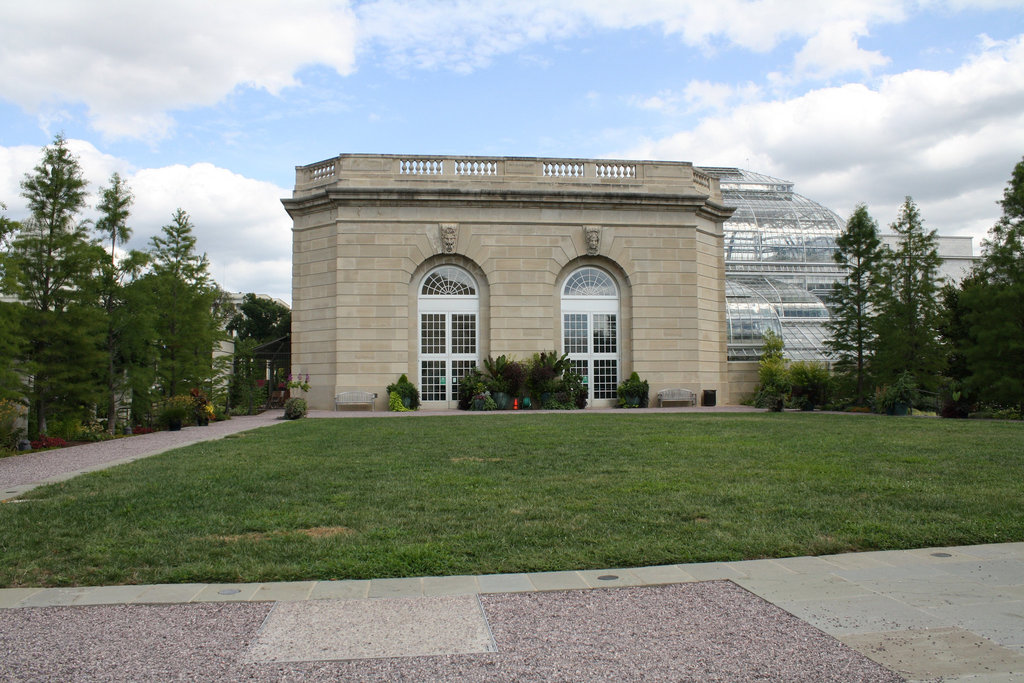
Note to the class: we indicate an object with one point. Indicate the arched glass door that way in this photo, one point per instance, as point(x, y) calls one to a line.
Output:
point(448, 311)
point(590, 330)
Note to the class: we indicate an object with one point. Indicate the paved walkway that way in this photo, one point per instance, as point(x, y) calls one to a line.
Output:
point(925, 614)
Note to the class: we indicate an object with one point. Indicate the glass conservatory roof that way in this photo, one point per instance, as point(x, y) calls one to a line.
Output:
point(779, 248)
point(772, 223)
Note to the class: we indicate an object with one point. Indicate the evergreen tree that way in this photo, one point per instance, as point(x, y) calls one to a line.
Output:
point(10, 347)
point(907, 304)
point(850, 327)
point(190, 311)
point(126, 317)
point(994, 302)
point(49, 270)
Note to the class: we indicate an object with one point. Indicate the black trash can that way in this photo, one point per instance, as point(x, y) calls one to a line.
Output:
point(710, 397)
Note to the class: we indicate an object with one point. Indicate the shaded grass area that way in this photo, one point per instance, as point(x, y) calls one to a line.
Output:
point(370, 498)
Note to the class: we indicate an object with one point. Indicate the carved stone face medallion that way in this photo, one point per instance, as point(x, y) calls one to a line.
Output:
point(592, 235)
point(449, 236)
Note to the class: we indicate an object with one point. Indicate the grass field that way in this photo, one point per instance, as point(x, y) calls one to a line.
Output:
point(361, 498)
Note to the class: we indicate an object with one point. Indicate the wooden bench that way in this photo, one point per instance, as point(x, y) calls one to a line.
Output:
point(354, 398)
point(681, 396)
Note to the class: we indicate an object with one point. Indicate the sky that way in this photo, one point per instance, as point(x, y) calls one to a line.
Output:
point(209, 106)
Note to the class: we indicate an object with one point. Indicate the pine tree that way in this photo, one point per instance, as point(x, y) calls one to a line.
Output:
point(126, 318)
point(994, 302)
point(850, 327)
point(907, 303)
point(10, 345)
point(189, 316)
point(49, 271)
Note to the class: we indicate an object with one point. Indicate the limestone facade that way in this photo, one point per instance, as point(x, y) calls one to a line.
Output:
point(368, 230)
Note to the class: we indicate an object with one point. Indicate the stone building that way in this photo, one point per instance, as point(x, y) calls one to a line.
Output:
point(427, 265)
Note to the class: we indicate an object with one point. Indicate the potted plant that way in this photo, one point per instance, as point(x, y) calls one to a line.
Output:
point(176, 409)
point(497, 384)
point(201, 408)
point(633, 392)
point(898, 397)
point(408, 394)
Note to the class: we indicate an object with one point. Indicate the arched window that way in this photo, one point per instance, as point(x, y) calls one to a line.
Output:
point(449, 306)
point(590, 331)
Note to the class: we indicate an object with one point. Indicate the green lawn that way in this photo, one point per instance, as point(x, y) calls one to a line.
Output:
point(360, 498)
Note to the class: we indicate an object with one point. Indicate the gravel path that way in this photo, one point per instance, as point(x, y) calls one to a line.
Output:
point(713, 631)
point(60, 464)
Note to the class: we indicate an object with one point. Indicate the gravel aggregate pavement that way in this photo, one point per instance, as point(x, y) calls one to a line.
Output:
point(711, 631)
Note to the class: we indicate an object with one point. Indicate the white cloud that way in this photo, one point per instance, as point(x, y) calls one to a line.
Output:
point(131, 63)
point(834, 50)
point(949, 139)
point(238, 222)
point(465, 34)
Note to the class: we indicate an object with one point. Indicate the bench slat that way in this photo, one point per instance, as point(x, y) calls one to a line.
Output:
point(347, 398)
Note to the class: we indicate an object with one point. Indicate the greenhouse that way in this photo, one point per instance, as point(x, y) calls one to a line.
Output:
point(779, 265)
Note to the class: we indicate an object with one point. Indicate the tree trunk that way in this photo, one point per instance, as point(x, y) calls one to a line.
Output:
point(111, 388)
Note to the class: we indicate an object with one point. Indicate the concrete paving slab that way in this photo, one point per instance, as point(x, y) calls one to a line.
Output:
point(450, 585)
point(53, 597)
point(941, 556)
point(170, 593)
point(396, 588)
point(285, 591)
point(1000, 622)
point(610, 578)
point(803, 587)
point(806, 565)
point(994, 572)
point(710, 571)
point(903, 572)
point(556, 581)
point(227, 592)
point(325, 630)
point(930, 653)
point(868, 614)
point(870, 560)
point(760, 569)
point(110, 595)
point(12, 597)
point(939, 591)
point(344, 590)
point(504, 583)
point(993, 550)
point(661, 574)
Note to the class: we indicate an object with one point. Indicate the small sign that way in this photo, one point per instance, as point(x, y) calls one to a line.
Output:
point(443, 380)
point(585, 378)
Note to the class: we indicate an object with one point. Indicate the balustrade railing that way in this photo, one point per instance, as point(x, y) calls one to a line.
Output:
point(474, 167)
point(610, 170)
point(499, 168)
point(420, 166)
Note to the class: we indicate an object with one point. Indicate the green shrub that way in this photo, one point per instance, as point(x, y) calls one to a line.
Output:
point(810, 382)
point(176, 409)
point(408, 394)
point(395, 402)
point(294, 408)
point(10, 433)
point(633, 392)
